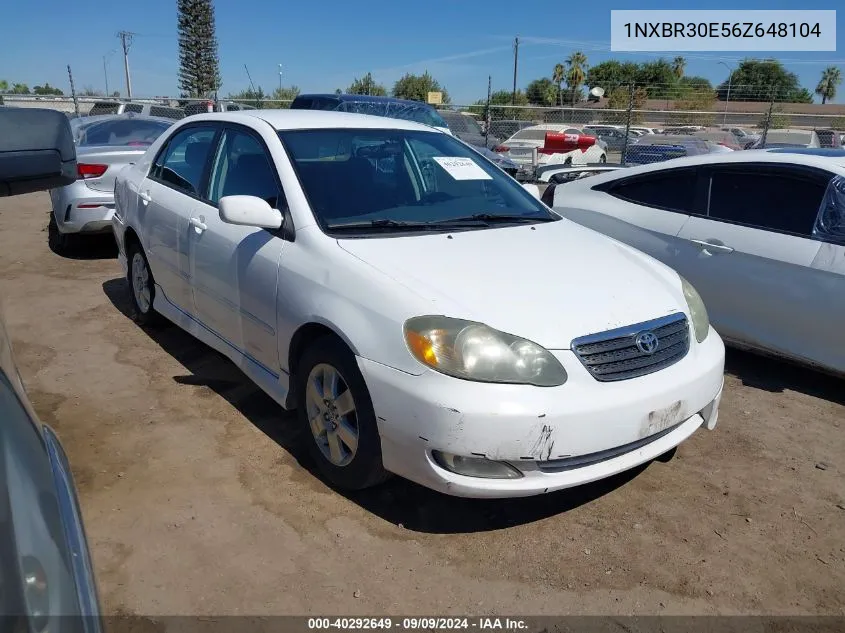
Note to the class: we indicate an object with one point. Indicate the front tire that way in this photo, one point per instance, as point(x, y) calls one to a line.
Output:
point(141, 286)
point(337, 415)
point(603, 159)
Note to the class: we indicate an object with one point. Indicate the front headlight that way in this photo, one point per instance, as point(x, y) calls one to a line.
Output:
point(700, 320)
point(474, 351)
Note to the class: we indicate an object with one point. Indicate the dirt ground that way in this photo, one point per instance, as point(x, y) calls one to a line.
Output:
point(199, 497)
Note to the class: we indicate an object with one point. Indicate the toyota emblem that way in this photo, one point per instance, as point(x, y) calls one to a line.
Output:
point(647, 342)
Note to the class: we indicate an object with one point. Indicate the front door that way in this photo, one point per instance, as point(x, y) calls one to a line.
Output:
point(758, 267)
point(235, 268)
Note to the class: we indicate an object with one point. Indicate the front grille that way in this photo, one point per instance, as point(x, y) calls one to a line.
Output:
point(614, 355)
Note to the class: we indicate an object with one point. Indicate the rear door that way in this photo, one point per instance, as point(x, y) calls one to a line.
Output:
point(168, 198)
point(757, 265)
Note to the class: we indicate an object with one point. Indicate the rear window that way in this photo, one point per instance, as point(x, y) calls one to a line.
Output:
point(130, 132)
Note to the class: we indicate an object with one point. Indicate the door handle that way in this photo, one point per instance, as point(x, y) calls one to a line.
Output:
point(198, 224)
point(145, 197)
point(713, 248)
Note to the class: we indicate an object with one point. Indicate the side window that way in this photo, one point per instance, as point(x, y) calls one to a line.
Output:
point(181, 163)
point(242, 167)
point(137, 108)
point(767, 197)
point(673, 190)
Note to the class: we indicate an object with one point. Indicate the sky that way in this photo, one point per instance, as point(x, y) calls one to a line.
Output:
point(324, 44)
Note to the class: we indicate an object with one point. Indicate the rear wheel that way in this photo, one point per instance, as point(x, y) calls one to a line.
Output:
point(59, 242)
point(603, 158)
point(141, 286)
point(336, 411)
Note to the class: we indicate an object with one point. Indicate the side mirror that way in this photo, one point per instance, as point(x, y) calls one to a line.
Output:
point(37, 151)
point(249, 211)
point(533, 189)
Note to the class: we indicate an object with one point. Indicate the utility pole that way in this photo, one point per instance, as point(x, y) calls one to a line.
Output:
point(73, 91)
point(624, 156)
point(515, 66)
point(768, 122)
point(280, 81)
point(728, 97)
point(106, 76)
point(487, 110)
point(126, 42)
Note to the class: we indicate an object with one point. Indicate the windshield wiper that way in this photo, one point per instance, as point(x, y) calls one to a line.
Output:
point(475, 220)
point(385, 223)
point(496, 217)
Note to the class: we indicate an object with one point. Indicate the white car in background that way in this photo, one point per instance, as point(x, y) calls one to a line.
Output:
point(520, 147)
point(104, 146)
point(788, 138)
point(426, 314)
point(760, 233)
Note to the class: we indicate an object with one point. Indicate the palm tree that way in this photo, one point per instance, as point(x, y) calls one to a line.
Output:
point(679, 64)
point(576, 73)
point(831, 78)
point(558, 76)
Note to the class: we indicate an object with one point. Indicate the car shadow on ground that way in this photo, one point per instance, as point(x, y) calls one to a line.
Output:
point(771, 374)
point(398, 501)
point(96, 246)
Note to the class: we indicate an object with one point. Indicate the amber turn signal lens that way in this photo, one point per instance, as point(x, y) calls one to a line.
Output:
point(422, 348)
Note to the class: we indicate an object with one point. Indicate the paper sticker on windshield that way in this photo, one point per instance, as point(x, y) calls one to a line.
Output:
point(462, 168)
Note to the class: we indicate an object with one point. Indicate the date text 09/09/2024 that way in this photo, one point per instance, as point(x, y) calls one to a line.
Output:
point(721, 29)
point(418, 623)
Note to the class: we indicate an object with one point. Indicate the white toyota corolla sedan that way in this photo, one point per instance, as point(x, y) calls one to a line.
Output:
point(425, 313)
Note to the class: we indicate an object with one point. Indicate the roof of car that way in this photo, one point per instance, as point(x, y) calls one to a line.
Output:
point(554, 127)
point(311, 119)
point(126, 117)
point(365, 98)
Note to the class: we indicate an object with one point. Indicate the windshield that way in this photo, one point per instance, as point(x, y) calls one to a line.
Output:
point(402, 176)
point(123, 132)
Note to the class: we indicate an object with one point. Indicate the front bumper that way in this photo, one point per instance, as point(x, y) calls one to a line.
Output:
point(557, 437)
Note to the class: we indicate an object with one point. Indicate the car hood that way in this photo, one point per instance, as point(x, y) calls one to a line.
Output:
point(549, 283)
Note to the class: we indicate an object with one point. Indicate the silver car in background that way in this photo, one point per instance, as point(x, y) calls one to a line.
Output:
point(103, 148)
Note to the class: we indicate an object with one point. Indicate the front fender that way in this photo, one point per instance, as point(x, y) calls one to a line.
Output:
point(323, 284)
